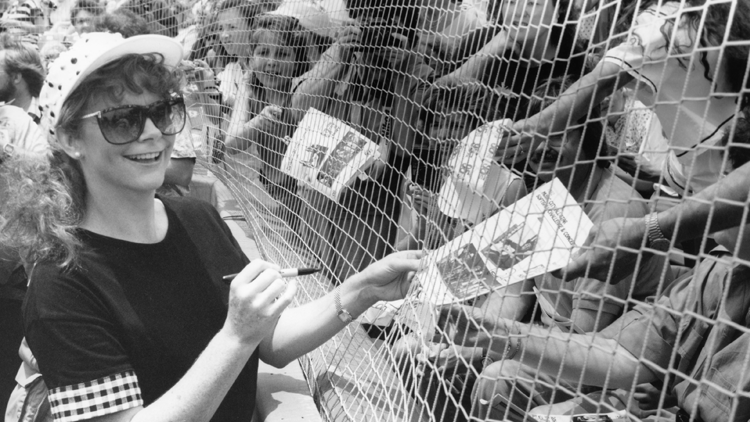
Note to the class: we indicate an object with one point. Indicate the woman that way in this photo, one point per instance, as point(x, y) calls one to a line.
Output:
point(83, 15)
point(681, 65)
point(127, 303)
point(276, 49)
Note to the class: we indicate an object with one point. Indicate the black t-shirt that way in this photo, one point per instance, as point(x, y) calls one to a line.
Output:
point(136, 310)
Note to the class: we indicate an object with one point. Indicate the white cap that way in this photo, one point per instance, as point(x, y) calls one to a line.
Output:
point(88, 54)
point(311, 16)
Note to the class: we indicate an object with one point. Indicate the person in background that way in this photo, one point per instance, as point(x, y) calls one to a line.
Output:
point(694, 128)
point(278, 48)
point(50, 51)
point(156, 14)
point(578, 158)
point(166, 339)
point(696, 329)
point(83, 14)
point(20, 138)
point(692, 125)
point(27, 17)
point(22, 75)
point(373, 79)
point(122, 21)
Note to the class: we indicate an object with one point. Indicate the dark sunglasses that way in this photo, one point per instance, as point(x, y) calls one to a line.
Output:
point(125, 124)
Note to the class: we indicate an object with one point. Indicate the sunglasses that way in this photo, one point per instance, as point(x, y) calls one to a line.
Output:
point(125, 124)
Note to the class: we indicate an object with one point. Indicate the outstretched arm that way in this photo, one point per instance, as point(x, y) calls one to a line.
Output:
point(570, 106)
point(477, 64)
point(302, 329)
point(616, 243)
point(317, 85)
point(589, 359)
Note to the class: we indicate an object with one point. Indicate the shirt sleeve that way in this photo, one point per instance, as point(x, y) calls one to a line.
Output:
point(78, 346)
point(651, 331)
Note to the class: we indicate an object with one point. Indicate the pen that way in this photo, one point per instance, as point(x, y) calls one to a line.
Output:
point(285, 273)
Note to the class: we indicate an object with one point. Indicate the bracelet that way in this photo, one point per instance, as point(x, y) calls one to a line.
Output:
point(511, 350)
point(342, 313)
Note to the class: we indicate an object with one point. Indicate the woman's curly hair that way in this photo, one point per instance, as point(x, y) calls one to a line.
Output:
point(712, 24)
point(46, 195)
point(40, 212)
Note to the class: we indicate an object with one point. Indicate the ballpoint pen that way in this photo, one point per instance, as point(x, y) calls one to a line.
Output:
point(285, 273)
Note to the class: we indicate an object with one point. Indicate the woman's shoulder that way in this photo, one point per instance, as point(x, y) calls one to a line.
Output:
point(55, 290)
point(189, 207)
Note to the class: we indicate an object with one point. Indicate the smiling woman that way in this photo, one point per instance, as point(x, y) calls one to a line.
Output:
point(127, 314)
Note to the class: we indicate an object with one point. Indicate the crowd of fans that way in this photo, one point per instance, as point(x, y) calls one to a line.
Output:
point(637, 106)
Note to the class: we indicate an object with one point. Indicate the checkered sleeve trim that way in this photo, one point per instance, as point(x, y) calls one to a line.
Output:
point(99, 397)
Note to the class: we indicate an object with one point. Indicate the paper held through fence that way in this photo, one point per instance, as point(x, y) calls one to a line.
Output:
point(468, 192)
point(537, 234)
point(327, 155)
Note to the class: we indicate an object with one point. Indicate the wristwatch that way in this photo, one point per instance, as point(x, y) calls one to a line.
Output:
point(342, 313)
point(656, 239)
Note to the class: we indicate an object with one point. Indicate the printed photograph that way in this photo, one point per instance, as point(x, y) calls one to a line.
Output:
point(344, 152)
point(464, 270)
point(509, 248)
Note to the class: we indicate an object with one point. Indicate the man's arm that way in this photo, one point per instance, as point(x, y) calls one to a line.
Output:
point(718, 207)
point(477, 64)
point(726, 200)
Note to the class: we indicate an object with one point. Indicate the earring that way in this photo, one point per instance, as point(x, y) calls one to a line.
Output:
point(77, 155)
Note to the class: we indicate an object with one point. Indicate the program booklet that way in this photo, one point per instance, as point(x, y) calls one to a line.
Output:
point(327, 154)
point(537, 234)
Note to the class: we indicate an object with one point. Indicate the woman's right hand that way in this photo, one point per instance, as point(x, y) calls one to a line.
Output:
point(518, 145)
point(348, 39)
point(267, 120)
point(469, 326)
point(423, 200)
point(257, 297)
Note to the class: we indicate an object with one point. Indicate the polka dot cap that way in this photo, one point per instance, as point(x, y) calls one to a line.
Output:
point(89, 53)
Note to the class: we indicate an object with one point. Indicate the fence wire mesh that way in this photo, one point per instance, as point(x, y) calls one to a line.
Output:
point(347, 130)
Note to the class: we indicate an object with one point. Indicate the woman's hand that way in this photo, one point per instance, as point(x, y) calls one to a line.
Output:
point(257, 296)
point(267, 121)
point(447, 357)
point(199, 73)
point(639, 167)
point(611, 251)
point(517, 147)
point(423, 201)
point(469, 326)
point(375, 171)
point(390, 278)
point(348, 39)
